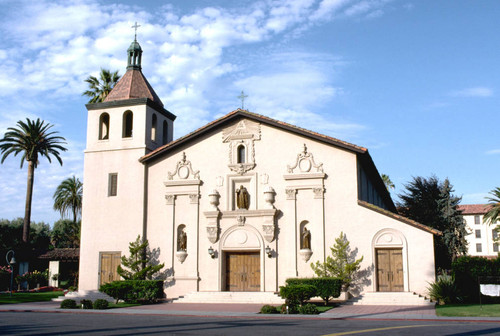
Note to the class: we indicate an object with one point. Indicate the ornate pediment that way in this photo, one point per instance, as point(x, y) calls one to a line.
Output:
point(183, 170)
point(304, 163)
point(241, 137)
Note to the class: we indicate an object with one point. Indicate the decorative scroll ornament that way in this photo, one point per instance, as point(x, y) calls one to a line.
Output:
point(212, 233)
point(305, 162)
point(170, 199)
point(241, 220)
point(268, 232)
point(290, 194)
point(183, 170)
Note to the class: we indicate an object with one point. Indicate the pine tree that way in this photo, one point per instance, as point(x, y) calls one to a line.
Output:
point(139, 262)
point(454, 230)
point(342, 264)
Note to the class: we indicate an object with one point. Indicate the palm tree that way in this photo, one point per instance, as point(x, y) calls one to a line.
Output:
point(100, 87)
point(493, 213)
point(68, 197)
point(387, 181)
point(32, 139)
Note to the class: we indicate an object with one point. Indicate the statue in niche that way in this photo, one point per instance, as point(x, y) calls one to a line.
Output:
point(306, 239)
point(242, 198)
point(182, 241)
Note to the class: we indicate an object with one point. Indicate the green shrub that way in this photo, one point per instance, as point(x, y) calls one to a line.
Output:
point(101, 304)
point(133, 291)
point(326, 287)
point(268, 309)
point(68, 304)
point(466, 270)
point(297, 294)
point(308, 309)
point(444, 290)
point(86, 304)
point(289, 308)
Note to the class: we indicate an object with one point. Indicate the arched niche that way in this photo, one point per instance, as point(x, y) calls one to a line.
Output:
point(181, 238)
point(104, 126)
point(128, 124)
point(303, 225)
point(165, 132)
point(154, 122)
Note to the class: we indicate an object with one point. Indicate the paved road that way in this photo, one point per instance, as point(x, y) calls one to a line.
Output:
point(38, 323)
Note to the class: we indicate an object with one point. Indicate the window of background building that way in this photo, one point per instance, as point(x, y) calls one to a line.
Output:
point(478, 233)
point(479, 248)
point(495, 247)
point(477, 220)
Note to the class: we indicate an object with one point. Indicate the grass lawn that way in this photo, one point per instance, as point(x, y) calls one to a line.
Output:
point(488, 310)
point(5, 298)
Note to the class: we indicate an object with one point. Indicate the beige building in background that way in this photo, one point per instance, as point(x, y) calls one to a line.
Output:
point(482, 236)
point(239, 205)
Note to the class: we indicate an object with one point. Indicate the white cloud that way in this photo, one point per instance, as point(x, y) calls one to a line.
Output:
point(473, 92)
point(197, 62)
point(493, 152)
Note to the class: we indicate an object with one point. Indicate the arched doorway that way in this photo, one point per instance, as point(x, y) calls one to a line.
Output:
point(390, 259)
point(242, 260)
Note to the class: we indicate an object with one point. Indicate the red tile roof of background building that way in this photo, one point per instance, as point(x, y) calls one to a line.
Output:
point(473, 209)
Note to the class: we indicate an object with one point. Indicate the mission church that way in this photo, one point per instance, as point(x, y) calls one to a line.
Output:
point(239, 205)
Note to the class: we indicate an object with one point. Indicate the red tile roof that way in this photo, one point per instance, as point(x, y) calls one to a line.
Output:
point(258, 117)
point(473, 209)
point(133, 85)
point(400, 218)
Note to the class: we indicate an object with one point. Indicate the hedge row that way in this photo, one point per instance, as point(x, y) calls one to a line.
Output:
point(466, 271)
point(326, 287)
point(134, 291)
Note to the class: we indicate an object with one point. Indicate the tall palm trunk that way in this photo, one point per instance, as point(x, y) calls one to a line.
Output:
point(29, 196)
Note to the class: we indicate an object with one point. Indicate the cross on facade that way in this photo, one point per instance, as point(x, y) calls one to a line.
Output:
point(242, 96)
point(135, 26)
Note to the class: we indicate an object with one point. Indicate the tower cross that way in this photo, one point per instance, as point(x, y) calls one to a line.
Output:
point(135, 26)
point(242, 96)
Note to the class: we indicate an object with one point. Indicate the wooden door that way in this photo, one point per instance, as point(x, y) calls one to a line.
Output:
point(109, 264)
point(243, 271)
point(389, 270)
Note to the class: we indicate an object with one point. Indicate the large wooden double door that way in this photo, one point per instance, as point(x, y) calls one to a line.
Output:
point(390, 270)
point(108, 264)
point(243, 271)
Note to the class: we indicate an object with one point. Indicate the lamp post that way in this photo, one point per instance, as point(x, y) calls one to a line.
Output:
point(11, 262)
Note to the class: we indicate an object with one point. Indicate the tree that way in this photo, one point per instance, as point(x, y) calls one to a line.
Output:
point(32, 139)
point(68, 197)
point(342, 264)
point(387, 181)
point(431, 202)
point(139, 262)
point(66, 234)
point(455, 228)
point(493, 213)
point(99, 88)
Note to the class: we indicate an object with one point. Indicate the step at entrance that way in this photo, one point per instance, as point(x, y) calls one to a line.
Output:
point(231, 297)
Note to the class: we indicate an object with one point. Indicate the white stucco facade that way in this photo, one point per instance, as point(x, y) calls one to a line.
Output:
point(482, 236)
point(294, 178)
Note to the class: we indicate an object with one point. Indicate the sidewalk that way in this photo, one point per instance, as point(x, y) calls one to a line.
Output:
point(252, 310)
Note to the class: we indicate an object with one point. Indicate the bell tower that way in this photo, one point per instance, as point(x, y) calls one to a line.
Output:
point(129, 123)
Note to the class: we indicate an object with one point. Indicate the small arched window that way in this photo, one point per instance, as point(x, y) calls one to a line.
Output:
point(165, 132)
point(153, 128)
point(241, 154)
point(104, 126)
point(128, 124)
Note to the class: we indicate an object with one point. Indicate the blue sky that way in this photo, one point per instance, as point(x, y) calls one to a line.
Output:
point(416, 82)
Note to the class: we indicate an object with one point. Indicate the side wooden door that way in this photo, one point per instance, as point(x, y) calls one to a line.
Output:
point(108, 265)
point(389, 270)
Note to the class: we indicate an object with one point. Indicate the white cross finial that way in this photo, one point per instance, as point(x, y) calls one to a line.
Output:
point(135, 26)
point(242, 96)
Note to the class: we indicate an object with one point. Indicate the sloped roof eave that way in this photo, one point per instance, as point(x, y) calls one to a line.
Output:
point(400, 218)
point(257, 117)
